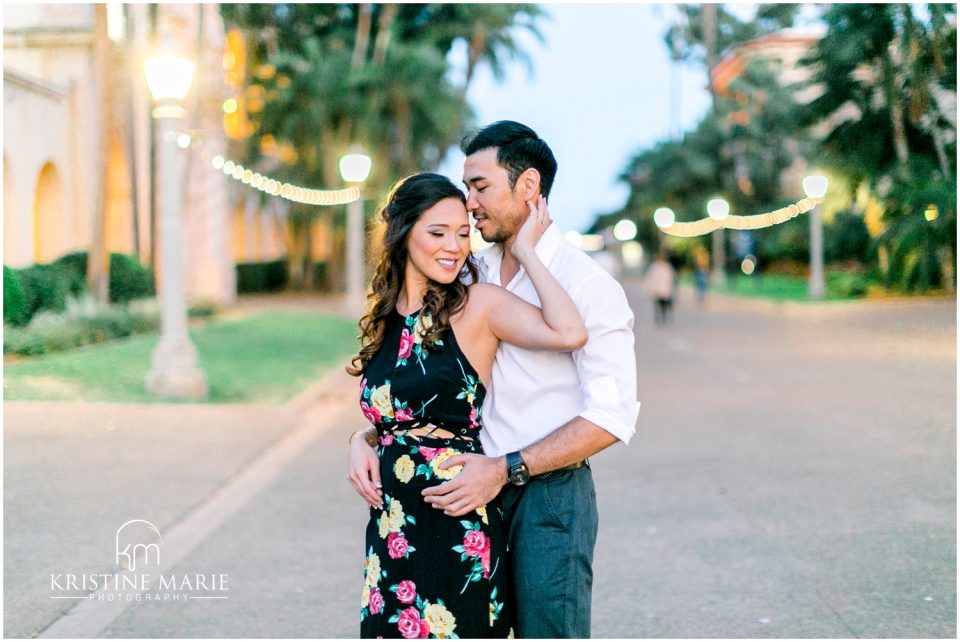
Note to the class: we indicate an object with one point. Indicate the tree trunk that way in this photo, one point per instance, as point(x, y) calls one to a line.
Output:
point(895, 106)
point(98, 263)
point(362, 41)
point(384, 27)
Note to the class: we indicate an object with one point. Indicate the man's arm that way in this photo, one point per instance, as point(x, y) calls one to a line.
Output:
point(606, 368)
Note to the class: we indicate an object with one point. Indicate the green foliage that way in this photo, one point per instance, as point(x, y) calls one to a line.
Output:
point(849, 283)
point(14, 300)
point(46, 287)
point(129, 280)
point(82, 322)
point(261, 277)
point(846, 238)
point(895, 68)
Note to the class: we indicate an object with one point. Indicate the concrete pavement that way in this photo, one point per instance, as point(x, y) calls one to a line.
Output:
point(793, 475)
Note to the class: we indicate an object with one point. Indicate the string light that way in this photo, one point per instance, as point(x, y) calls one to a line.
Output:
point(294, 193)
point(731, 221)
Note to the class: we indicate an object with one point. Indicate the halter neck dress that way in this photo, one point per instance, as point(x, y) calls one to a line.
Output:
point(428, 575)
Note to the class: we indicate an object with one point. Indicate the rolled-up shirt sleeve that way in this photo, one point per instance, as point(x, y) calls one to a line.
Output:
point(606, 365)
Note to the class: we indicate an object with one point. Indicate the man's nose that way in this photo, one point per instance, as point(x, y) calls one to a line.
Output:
point(472, 203)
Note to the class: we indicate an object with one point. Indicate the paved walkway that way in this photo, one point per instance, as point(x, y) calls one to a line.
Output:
point(793, 475)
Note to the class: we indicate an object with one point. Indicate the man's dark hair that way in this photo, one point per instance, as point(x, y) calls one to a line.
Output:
point(518, 148)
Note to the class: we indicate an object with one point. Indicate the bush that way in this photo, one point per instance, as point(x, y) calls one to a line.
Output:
point(261, 277)
point(847, 238)
point(129, 280)
point(849, 282)
point(14, 300)
point(82, 323)
point(46, 287)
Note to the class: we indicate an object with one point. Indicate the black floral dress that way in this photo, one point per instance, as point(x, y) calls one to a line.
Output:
point(427, 575)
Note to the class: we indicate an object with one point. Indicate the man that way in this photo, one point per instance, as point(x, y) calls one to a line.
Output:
point(545, 413)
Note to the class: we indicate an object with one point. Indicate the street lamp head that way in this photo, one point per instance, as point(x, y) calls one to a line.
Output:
point(815, 186)
point(355, 167)
point(718, 209)
point(168, 77)
point(664, 217)
point(625, 230)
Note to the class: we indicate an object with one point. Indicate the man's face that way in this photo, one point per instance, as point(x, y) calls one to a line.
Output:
point(497, 209)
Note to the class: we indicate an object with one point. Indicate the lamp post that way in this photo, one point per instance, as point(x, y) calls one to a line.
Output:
point(355, 168)
point(174, 370)
point(718, 209)
point(815, 187)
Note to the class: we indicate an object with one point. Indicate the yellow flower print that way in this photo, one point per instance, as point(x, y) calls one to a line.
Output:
point(365, 596)
point(470, 397)
point(373, 570)
point(441, 621)
point(396, 516)
point(384, 525)
point(493, 618)
point(381, 400)
point(404, 468)
point(424, 322)
point(448, 473)
point(482, 512)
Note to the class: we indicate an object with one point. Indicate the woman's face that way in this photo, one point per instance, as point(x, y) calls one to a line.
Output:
point(439, 242)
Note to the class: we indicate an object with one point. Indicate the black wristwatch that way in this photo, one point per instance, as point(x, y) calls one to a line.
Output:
point(517, 472)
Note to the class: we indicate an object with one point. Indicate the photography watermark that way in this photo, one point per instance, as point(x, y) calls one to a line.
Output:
point(139, 576)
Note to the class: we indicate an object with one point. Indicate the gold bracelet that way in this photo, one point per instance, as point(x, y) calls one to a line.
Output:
point(369, 437)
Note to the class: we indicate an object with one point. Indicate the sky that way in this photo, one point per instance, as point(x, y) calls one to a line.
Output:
point(599, 92)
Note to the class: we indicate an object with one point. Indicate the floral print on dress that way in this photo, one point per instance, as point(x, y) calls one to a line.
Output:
point(426, 574)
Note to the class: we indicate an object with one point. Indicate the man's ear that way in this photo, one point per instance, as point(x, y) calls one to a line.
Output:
point(529, 184)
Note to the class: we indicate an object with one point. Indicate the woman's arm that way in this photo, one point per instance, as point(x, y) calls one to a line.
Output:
point(557, 326)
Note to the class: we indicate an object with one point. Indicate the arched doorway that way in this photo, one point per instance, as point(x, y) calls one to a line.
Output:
point(49, 217)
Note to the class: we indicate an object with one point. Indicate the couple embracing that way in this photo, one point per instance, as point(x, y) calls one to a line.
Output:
point(487, 380)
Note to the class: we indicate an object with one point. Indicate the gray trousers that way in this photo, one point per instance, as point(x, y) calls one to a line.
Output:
point(552, 530)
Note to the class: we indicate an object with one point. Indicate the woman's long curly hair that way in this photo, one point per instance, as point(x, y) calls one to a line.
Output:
point(408, 200)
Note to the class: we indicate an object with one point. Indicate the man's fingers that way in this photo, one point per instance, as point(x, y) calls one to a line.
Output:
point(456, 460)
point(442, 489)
point(460, 507)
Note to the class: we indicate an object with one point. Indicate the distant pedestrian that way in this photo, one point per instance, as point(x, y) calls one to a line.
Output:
point(701, 270)
point(660, 284)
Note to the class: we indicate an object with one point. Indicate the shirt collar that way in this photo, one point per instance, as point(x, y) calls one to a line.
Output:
point(489, 260)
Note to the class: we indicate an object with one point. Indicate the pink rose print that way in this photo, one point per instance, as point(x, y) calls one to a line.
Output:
point(376, 601)
point(473, 417)
point(407, 592)
point(369, 412)
point(411, 626)
point(475, 543)
point(406, 344)
point(386, 440)
point(397, 545)
point(429, 453)
point(402, 414)
point(485, 562)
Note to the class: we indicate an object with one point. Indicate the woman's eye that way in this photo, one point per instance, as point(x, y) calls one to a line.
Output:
point(465, 235)
point(480, 189)
point(437, 234)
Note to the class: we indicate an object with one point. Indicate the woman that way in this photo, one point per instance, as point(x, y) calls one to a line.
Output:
point(428, 345)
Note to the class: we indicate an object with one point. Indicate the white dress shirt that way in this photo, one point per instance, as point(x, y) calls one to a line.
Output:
point(534, 392)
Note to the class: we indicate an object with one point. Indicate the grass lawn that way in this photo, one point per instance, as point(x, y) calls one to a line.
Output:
point(266, 358)
point(775, 287)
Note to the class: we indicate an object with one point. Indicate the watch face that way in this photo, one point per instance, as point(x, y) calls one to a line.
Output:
point(519, 476)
